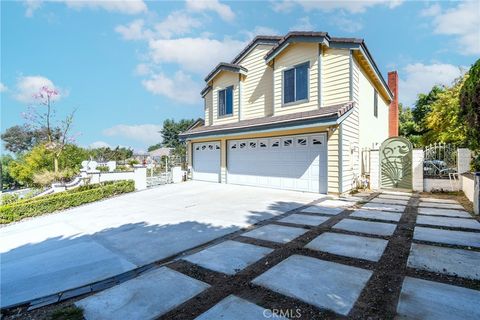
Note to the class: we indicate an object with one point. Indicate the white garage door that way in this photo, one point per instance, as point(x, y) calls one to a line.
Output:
point(291, 162)
point(206, 161)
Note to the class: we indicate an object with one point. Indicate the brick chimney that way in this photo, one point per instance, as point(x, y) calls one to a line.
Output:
point(393, 110)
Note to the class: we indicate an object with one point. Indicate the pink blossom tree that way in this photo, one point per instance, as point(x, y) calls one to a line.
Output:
point(42, 115)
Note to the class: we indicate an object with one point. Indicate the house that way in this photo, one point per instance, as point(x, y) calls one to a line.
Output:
point(293, 112)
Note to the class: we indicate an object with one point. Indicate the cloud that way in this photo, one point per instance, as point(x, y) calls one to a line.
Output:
point(431, 11)
point(420, 78)
point(352, 6)
point(179, 88)
point(223, 10)
point(100, 144)
point(120, 6)
point(28, 86)
point(134, 30)
point(198, 55)
point(145, 133)
point(177, 23)
point(31, 6)
point(346, 24)
point(142, 69)
point(3, 87)
point(461, 21)
point(303, 24)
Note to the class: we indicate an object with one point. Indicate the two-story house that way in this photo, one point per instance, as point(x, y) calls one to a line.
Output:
point(293, 112)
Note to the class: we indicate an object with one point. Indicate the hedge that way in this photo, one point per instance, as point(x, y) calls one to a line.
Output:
point(63, 200)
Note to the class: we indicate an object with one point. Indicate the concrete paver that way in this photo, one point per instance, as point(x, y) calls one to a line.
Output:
point(304, 219)
point(397, 193)
point(349, 245)
point(389, 201)
point(337, 286)
point(323, 210)
point(228, 257)
point(448, 222)
point(146, 297)
point(444, 212)
point(438, 200)
point(441, 205)
point(379, 215)
point(392, 196)
point(384, 207)
point(275, 233)
point(337, 203)
point(235, 308)
point(369, 227)
point(462, 238)
point(456, 262)
point(428, 300)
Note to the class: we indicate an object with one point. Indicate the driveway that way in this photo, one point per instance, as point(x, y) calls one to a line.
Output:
point(62, 251)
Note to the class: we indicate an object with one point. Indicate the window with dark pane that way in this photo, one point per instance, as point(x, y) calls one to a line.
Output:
point(295, 84)
point(225, 101)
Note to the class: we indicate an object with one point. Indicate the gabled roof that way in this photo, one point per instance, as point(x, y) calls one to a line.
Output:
point(227, 67)
point(257, 40)
point(319, 116)
point(299, 36)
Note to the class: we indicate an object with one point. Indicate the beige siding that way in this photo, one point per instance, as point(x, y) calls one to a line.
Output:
point(350, 160)
point(355, 80)
point(333, 160)
point(293, 55)
point(335, 76)
point(222, 81)
point(208, 109)
point(257, 92)
point(373, 130)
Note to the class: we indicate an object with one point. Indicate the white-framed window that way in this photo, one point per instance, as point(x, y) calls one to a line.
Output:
point(295, 83)
point(225, 102)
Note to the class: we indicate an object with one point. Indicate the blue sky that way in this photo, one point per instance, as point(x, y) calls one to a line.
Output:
point(128, 65)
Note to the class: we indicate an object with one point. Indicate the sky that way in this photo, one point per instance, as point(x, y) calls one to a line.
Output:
point(126, 66)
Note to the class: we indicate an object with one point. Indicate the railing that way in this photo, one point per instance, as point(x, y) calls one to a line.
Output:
point(440, 161)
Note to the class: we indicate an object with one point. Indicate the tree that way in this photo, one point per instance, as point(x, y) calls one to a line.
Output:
point(107, 154)
point(172, 129)
point(407, 127)
point(470, 106)
point(45, 119)
point(18, 139)
point(423, 106)
point(6, 180)
point(154, 147)
point(443, 122)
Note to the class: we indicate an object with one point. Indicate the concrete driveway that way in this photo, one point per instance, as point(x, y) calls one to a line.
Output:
point(62, 251)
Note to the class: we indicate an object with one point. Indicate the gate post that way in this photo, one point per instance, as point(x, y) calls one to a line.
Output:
point(374, 170)
point(417, 170)
point(140, 177)
point(464, 156)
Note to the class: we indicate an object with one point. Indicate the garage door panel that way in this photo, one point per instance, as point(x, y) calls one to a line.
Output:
point(206, 161)
point(292, 162)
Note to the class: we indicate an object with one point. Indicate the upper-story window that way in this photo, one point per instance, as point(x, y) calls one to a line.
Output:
point(295, 83)
point(225, 102)
point(375, 103)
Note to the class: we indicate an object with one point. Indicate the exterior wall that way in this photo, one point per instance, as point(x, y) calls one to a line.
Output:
point(430, 185)
point(208, 109)
point(417, 170)
point(464, 156)
point(350, 157)
point(373, 130)
point(222, 81)
point(374, 170)
point(257, 95)
point(335, 76)
point(468, 185)
point(333, 144)
point(334, 161)
point(293, 55)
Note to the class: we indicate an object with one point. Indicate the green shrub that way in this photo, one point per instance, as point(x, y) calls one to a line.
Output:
point(63, 200)
point(133, 162)
point(123, 168)
point(102, 168)
point(9, 198)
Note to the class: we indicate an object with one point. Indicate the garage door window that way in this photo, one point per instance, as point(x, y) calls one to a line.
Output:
point(302, 142)
point(287, 142)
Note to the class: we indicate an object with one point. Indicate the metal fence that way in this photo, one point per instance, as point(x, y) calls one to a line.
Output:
point(440, 160)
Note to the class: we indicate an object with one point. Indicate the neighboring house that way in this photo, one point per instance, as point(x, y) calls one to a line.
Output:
point(293, 112)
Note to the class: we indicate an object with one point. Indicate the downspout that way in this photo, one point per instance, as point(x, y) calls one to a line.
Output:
point(319, 80)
